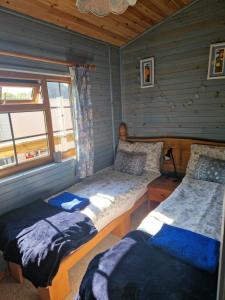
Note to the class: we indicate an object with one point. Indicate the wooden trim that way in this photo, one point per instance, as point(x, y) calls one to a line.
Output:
point(60, 287)
point(44, 59)
point(30, 76)
point(16, 272)
point(48, 117)
point(11, 108)
point(25, 166)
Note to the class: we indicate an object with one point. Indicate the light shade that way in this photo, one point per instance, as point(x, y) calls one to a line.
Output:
point(102, 8)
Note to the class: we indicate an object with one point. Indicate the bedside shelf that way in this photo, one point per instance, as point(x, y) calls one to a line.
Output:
point(160, 189)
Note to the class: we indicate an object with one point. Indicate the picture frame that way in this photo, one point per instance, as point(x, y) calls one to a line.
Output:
point(147, 72)
point(216, 67)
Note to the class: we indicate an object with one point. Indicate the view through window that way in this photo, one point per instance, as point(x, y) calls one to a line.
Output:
point(35, 122)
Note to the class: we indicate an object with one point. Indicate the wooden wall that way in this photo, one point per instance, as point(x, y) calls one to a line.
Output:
point(183, 102)
point(33, 37)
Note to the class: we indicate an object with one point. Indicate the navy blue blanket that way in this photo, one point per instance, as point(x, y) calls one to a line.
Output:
point(135, 270)
point(196, 249)
point(38, 237)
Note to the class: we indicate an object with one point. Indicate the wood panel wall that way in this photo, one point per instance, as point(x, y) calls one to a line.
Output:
point(183, 102)
point(31, 37)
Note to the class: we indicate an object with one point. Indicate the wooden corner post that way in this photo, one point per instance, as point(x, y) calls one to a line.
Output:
point(123, 132)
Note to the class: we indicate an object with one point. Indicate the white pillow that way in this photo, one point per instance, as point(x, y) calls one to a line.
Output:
point(153, 151)
point(197, 150)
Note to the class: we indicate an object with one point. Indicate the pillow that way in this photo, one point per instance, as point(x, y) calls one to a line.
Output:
point(130, 162)
point(197, 150)
point(153, 153)
point(210, 169)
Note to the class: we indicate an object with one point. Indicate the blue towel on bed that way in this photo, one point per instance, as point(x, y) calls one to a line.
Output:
point(193, 248)
point(69, 202)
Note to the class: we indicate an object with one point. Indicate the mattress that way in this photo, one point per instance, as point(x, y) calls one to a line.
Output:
point(111, 194)
point(196, 205)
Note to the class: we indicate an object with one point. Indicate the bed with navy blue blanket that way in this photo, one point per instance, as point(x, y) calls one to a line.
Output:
point(135, 269)
point(38, 236)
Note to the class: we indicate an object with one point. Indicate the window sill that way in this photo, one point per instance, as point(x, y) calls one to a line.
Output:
point(29, 173)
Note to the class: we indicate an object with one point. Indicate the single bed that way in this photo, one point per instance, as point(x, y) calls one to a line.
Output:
point(67, 237)
point(135, 269)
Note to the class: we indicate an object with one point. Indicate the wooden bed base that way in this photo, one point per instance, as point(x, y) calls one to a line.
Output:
point(60, 287)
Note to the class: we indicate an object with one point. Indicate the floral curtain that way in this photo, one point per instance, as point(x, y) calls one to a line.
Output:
point(83, 120)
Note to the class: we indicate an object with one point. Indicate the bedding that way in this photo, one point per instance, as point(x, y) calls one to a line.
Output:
point(135, 270)
point(197, 150)
point(196, 249)
point(38, 236)
point(210, 169)
point(153, 153)
point(68, 202)
point(111, 194)
point(130, 162)
point(196, 205)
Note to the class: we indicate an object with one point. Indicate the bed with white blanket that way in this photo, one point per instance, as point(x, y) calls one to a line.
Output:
point(111, 193)
point(174, 253)
point(196, 205)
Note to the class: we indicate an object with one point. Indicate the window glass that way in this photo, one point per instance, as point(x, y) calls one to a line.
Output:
point(5, 130)
point(57, 119)
point(68, 118)
point(12, 94)
point(58, 94)
point(16, 93)
point(65, 142)
point(7, 155)
point(32, 148)
point(28, 123)
point(65, 92)
point(61, 112)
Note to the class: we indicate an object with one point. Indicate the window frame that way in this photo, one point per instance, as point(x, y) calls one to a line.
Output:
point(23, 106)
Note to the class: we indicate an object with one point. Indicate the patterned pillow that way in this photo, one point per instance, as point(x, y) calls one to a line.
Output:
point(153, 152)
point(130, 162)
point(197, 150)
point(210, 169)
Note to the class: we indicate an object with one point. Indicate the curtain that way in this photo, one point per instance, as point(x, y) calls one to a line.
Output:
point(83, 120)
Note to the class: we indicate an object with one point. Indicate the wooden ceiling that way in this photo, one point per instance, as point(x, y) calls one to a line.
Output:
point(114, 29)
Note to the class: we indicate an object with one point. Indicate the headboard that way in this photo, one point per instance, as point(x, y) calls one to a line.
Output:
point(181, 147)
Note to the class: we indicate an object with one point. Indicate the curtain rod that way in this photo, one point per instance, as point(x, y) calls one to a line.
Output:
point(46, 60)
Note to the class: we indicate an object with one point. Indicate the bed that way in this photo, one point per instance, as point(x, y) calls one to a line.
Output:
point(67, 236)
point(136, 269)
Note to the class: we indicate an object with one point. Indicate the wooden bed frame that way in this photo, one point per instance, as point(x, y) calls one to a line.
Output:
point(120, 226)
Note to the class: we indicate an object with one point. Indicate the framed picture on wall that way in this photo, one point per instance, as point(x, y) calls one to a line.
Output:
point(216, 68)
point(147, 72)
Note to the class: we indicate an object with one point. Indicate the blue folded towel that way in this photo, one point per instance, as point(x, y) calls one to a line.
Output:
point(193, 248)
point(68, 202)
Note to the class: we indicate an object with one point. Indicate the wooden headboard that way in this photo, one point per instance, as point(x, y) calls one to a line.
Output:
point(181, 147)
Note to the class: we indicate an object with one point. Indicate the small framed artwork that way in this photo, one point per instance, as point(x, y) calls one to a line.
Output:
point(147, 72)
point(216, 68)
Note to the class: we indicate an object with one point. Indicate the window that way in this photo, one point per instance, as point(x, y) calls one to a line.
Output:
point(61, 115)
point(35, 121)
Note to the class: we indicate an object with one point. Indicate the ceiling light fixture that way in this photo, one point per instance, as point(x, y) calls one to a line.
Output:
point(102, 8)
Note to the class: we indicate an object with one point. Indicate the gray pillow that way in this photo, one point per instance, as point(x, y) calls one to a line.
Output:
point(210, 169)
point(130, 162)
